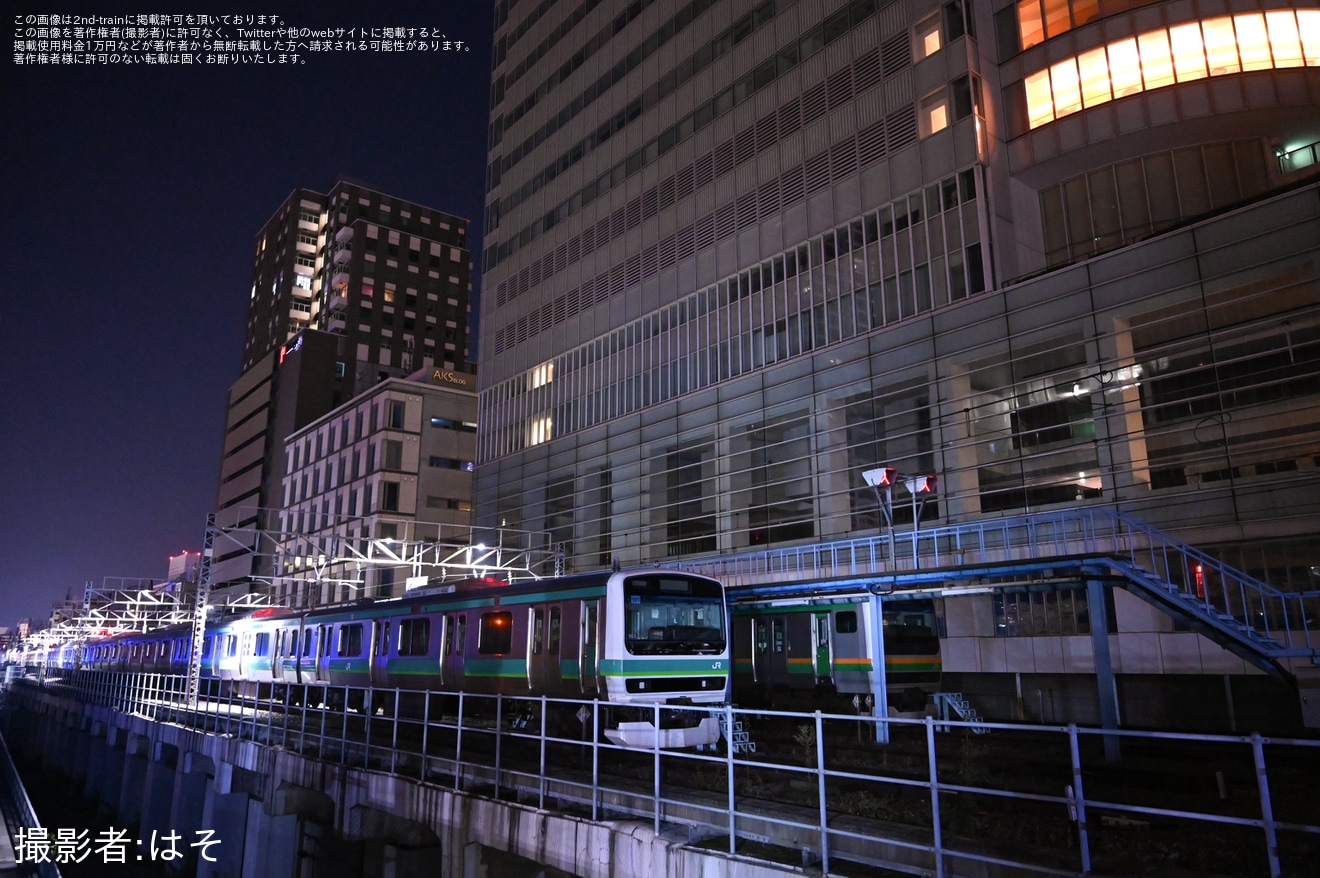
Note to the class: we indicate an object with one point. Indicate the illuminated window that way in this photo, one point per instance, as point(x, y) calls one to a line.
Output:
point(1040, 101)
point(1188, 52)
point(1094, 69)
point(934, 114)
point(1057, 19)
point(1067, 87)
point(1184, 53)
point(1030, 23)
point(542, 375)
point(1285, 43)
point(927, 42)
point(1156, 61)
point(1221, 46)
point(1124, 67)
point(1253, 42)
point(540, 430)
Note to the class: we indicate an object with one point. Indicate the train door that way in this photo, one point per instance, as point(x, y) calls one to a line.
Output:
point(589, 658)
point(323, 654)
point(380, 652)
point(307, 656)
point(554, 667)
point(778, 658)
point(535, 647)
point(446, 646)
point(451, 671)
point(761, 672)
point(823, 661)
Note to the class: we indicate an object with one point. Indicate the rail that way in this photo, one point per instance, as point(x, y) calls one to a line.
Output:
point(18, 819)
point(1038, 799)
point(1276, 622)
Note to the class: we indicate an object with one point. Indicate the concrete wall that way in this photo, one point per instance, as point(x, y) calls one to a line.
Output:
point(271, 810)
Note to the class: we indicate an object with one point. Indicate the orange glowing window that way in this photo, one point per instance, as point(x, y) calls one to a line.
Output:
point(1057, 17)
point(1040, 101)
point(1031, 27)
point(1253, 42)
point(1125, 67)
point(1156, 61)
point(1188, 52)
point(1067, 87)
point(1308, 28)
point(1094, 69)
point(1285, 43)
point(1221, 46)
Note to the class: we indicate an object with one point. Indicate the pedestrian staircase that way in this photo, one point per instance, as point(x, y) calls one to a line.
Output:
point(952, 705)
point(1260, 622)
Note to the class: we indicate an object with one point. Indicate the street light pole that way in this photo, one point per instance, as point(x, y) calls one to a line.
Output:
point(922, 488)
point(882, 479)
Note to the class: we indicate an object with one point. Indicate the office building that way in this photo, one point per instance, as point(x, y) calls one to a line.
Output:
point(395, 463)
point(349, 288)
point(1062, 255)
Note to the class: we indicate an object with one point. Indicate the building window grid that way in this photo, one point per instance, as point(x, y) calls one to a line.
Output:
point(898, 285)
point(808, 45)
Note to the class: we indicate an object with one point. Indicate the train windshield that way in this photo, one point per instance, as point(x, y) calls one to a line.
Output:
point(674, 615)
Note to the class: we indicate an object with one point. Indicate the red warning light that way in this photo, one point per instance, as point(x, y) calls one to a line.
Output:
point(1200, 581)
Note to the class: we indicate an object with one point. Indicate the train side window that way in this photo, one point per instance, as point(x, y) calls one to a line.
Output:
point(496, 633)
point(778, 628)
point(538, 630)
point(414, 636)
point(231, 646)
point(555, 624)
point(449, 635)
point(762, 638)
point(308, 637)
point(460, 636)
point(350, 640)
point(261, 646)
point(325, 641)
point(845, 622)
point(206, 647)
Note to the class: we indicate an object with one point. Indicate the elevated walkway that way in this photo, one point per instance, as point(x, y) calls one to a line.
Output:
point(1257, 621)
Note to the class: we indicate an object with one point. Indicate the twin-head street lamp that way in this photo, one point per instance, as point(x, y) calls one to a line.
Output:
point(922, 488)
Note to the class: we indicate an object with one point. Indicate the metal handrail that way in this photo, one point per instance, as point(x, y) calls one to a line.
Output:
point(936, 772)
point(1230, 598)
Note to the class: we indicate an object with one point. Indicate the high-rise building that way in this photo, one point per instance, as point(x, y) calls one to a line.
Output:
point(1060, 254)
point(349, 288)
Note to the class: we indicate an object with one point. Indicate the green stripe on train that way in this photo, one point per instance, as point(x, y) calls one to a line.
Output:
point(667, 667)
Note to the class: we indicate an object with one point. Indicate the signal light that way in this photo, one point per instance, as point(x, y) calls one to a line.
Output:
point(925, 484)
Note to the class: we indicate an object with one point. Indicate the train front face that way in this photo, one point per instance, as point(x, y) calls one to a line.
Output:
point(666, 642)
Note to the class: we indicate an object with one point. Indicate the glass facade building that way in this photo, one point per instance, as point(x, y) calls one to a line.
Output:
point(1058, 254)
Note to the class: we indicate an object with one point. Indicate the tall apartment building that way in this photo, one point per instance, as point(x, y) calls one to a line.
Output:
point(349, 288)
point(1060, 254)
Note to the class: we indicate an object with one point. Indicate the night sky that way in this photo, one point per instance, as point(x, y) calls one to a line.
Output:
point(132, 197)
